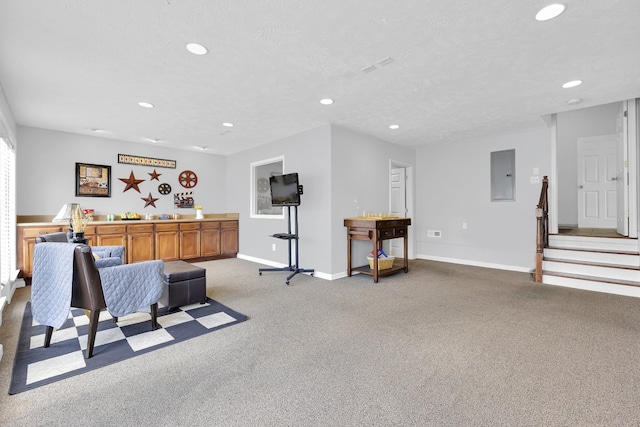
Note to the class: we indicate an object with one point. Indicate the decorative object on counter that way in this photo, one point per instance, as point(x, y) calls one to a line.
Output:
point(164, 189)
point(164, 216)
point(183, 200)
point(128, 159)
point(149, 217)
point(72, 213)
point(149, 200)
point(111, 217)
point(128, 216)
point(131, 182)
point(176, 216)
point(88, 213)
point(188, 179)
point(93, 180)
point(199, 214)
point(155, 175)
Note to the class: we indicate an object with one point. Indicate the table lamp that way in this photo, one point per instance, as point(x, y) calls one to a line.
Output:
point(72, 213)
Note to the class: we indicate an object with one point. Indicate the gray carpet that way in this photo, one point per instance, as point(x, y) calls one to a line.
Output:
point(445, 345)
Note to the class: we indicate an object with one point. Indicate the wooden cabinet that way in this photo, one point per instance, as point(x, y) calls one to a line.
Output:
point(140, 243)
point(189, 240)
point(168, 241)
point(26, 242)
point(229, 238)
point(143, 240)
point(210, 239)
point(111, 235)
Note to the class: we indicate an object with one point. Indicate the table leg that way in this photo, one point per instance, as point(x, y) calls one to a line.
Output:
point(348, 254)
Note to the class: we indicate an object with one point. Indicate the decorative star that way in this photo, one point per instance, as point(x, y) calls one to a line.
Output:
point(131, 182)
point(149, 201)
point(155, 175)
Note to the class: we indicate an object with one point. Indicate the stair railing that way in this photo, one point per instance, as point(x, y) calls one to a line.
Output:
point(542, 228)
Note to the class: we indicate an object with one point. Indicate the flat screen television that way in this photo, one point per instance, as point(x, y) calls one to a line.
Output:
point(284, 190)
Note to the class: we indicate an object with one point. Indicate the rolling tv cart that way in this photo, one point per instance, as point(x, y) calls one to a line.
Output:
point(289, 236)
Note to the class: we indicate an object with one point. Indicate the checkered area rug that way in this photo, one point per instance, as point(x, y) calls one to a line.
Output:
point(35, 365)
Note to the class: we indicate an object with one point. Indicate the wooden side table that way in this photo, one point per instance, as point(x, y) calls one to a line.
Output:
point(376, 230)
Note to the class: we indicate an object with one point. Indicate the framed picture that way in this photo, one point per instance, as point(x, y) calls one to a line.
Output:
point(93, 180)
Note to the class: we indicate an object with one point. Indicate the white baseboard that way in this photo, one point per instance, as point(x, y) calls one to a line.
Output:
point(476, 263)
point(318, 274)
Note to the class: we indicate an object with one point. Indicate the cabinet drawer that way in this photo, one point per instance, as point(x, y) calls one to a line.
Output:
point(168, 227)
point(190, 226)
point(210, 225)
point(386, 233)
point(229, 224)
point(111, 229)
point(400, 232)
point(140, 228)
point(35, 232)
point(89, 230)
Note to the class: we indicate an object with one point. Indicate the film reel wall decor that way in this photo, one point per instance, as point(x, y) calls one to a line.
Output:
point(188, 179)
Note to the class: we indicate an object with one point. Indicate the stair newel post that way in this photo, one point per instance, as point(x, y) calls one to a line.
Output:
point(539, 246)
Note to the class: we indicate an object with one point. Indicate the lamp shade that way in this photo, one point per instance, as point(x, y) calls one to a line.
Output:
point(65, 213)
point(72, 213)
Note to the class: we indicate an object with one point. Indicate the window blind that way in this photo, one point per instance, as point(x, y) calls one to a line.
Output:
point(7, 211)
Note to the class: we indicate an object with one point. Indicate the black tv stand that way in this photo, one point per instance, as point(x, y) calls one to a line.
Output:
point(289, 236)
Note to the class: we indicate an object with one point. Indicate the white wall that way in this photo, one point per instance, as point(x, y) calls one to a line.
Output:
point(360, 181)
point(46, 174)
point(308, 154)
point(453, 186)
point(593, 121)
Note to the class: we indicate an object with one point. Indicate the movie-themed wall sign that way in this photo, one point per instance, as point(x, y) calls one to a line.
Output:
point(129, 159)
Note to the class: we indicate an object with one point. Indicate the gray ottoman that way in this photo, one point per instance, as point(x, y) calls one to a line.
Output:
point(184, 284)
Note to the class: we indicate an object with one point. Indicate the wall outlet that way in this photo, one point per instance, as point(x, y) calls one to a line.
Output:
point(434, 233)
point(273, 247)
point(535, 180)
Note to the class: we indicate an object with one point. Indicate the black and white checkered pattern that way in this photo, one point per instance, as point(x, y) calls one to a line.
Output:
point(130, 336)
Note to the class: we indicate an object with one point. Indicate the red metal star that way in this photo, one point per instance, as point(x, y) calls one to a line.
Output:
point(149, 201)
point(155, 175)
point(131, 182)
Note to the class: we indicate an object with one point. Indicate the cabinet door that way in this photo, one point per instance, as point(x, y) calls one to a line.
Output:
point(111, 240)
point(229, 238)
point(189, 244)
point(168, 245)
point(210, 237)
point(140, 247)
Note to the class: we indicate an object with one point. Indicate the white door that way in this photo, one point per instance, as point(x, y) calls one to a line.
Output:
point(622, 172)
point(398, 205)
point(597, 189)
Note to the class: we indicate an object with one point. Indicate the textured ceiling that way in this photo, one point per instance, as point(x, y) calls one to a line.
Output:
point(461, 68)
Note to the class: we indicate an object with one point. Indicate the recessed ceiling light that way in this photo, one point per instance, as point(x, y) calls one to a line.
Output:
point(99, 131)
point(574, 101)
point(197, 49)
point(154, 140)
point(572, 83)
point(227, 124)
point(550, 12)
point(326, 101)
point(394, 126)
point(201, 148)
point(145, 104)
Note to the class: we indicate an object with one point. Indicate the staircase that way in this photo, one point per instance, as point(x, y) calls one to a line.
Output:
point(610, 265)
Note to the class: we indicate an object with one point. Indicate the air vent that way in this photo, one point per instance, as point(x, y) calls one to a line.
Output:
point(434, 233)
point(369, 69)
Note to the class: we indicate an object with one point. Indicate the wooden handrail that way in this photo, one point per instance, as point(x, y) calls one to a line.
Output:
point(542, 228)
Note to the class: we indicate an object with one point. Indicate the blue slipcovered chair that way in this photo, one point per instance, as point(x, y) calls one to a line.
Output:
point(65, 275)
point(106, 256)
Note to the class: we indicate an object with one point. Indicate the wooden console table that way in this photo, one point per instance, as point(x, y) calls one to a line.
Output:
point(377, 230)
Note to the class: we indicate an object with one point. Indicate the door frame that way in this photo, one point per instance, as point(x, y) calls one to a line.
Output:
point(633, 116)
point(410, 189)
